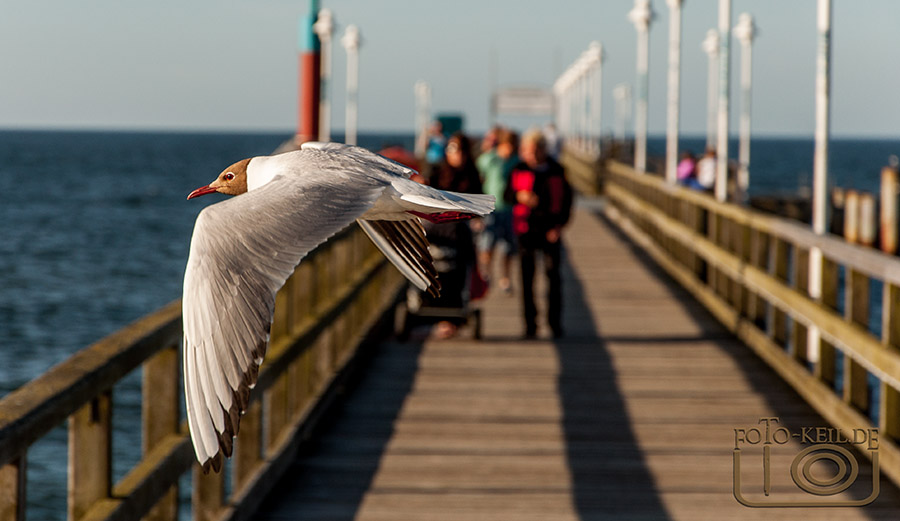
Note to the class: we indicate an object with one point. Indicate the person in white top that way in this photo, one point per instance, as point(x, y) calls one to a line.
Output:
point(706, 169)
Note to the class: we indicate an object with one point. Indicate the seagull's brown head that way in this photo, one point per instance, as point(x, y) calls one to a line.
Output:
point(232, 181)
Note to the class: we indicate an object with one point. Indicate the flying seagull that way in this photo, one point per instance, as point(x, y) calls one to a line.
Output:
point(243, 250)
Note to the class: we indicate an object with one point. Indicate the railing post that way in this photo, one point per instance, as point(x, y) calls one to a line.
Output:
point(160, 407)
point(759, 256)
point(275, 414)
point(851, 216)
point(302, 293)
point(856, 310)
point(247, 447)
point(12, 489)
point(281, 321)
point(801, 284)
point(692, 219)
point(738, 246)
point(712, 233)
point(825, 367)
point(889, 404)
point(779, 261)
point(888, 216)
point(868, 221)
point(209, 494)
point(90, 454)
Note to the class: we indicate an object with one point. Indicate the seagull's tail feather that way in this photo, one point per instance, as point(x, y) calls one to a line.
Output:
point(427, 200)
point(478, 204)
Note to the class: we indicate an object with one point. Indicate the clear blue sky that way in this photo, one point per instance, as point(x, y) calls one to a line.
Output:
point(232, 64)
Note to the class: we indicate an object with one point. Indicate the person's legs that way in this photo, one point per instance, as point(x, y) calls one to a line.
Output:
point(529, 311)
point(506, 269)
point(552, 259)
point(506, 242)
point(485, 243)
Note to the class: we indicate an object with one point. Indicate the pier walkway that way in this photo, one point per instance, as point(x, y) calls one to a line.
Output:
point(630, 416)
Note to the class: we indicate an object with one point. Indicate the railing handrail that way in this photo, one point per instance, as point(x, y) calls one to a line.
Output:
point(866, 260)
point(32, 410)
point(327, 307)
point(750, 270)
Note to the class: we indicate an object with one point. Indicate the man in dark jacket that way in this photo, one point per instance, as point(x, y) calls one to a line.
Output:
point(542, 204)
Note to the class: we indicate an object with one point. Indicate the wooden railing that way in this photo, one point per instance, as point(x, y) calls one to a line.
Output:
point(322, 315)
point(750, 270)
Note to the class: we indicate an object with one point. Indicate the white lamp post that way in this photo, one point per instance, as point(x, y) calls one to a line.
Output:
point(820, 164)
point(622, 97)
point(711, 48)
point(581, 69)
point(674, 90)
point(721, 188)
point(595, 54)
point(641, 16)
point(350, 42)
point(823, 116)
point(324, 28)
point(422, 91)
point(745, 31)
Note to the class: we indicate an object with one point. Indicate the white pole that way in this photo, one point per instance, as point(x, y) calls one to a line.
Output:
point(422, 93)
point(592, 101)
point(572, 90)
point(745, 32)
point(674, 90)
point(622, 97)
point(597, 93)
point(557, 107)
point(324, 28)
point(641, 16)
point(721, 188)
point(351, 44)
point(823, 116)
point(583, 101)
point(711, 47)
point(820, 164)
point(567, 110)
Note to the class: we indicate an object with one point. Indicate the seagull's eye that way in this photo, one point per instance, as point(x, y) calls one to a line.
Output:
point(229, 176)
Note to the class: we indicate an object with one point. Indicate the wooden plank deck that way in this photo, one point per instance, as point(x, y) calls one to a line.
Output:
point(631, 416)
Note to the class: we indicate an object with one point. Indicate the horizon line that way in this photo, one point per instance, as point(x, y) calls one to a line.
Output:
point(288, 132)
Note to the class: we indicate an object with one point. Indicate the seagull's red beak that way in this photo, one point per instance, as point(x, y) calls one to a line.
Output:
point(203, 190)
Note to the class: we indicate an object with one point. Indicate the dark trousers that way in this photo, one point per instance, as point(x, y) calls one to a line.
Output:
point(529, 248)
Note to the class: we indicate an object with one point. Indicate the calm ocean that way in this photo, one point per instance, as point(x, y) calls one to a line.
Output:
point(96, 232)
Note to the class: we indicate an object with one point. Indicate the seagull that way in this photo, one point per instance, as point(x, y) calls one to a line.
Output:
point(244, 248)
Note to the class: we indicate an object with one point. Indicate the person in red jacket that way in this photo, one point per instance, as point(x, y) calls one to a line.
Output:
point(542, 203)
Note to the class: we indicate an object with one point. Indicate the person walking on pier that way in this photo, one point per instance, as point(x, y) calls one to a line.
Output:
point(435, 144)
point(542, 203)
point(706, 170)
point(495, 166)
point(451, 244)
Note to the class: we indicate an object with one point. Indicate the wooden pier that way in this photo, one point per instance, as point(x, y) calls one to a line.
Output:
point(686, 319)
point(630, 416)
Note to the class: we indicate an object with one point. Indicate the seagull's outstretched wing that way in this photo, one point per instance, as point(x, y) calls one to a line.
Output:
point(242, 251)
point(351, 153)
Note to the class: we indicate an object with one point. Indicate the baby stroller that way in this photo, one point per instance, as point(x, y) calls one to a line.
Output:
point(452, 247)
